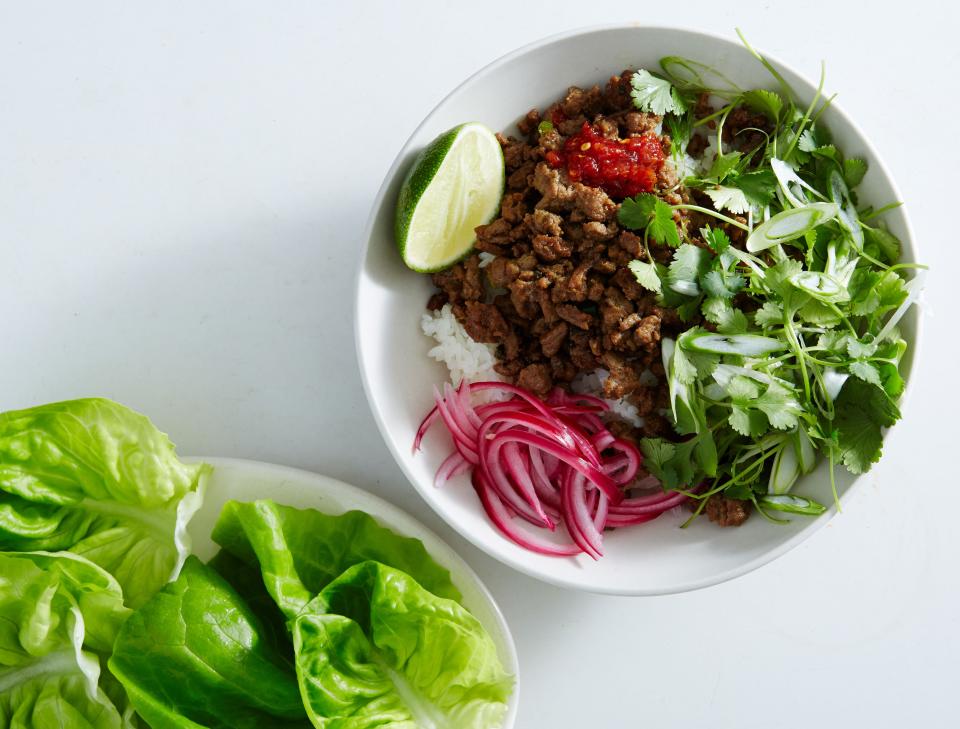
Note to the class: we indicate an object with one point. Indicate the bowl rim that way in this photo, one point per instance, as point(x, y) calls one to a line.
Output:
point(504, 556)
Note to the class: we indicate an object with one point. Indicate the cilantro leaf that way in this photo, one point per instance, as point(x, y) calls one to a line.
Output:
point(853, 171)
point(751, 423)
point(827, 151)
point(864, 299)
point(866, 372)
point(729, 198)
point(688, 265)
point(680, 128)
point(742, 389)
point(723, 165)
point(649, 212)
point(716, 238)
point(807, 142)
point(758, 187)
point(777, 278)
point(893, 383)
point(720, 311)
point(858, 349)
point(765, 102)
point(655, 95)
point(874, 294)
point(646, 275)
point(818, 314)
point(661, 227)
point(768, 315)
point(635, 212)
point(671, 463)
point(862, 410)
point(722, 284)
point(780, 405)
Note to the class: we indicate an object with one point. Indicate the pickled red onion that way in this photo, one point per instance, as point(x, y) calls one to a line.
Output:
point(551, 463)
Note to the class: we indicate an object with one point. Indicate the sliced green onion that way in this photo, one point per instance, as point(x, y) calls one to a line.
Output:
point(914, 287)
point(723, 373)
point(848, 218)
point(833, 382)
point(806, 453)
point(790, 224)
point(752, 262)
point(745, 345)
point(787, 178)
point(544, 127)
point(819, 285)
point(687, 288)
point(713, 391)
point(785, 471)
point(840, 267)
point(839, 192)
point(792, 504)
point(850, 222)
point(667, 345)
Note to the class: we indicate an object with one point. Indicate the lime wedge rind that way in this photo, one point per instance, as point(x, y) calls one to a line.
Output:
point(455, 184)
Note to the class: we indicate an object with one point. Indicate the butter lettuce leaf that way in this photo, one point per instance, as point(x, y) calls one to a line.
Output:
point(55, 611)
point(96, 478)
point(195, 655)
point(300, 551)
point(375, 649)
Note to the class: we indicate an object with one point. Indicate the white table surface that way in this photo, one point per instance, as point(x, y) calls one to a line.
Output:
point(183, 188)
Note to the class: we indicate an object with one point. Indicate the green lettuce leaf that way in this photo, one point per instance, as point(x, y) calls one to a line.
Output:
point(375, 649)
point(300, 551)
point(55, 609)
point(98, 479)
point(195, 656)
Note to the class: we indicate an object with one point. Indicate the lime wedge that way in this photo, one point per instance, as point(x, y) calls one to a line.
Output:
point(455, 185)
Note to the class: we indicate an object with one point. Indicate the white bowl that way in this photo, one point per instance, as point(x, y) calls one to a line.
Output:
point(657, 557)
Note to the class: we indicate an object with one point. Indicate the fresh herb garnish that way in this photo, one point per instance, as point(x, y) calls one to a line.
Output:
point(655, 95)
point(652, 215)
point(800, 352)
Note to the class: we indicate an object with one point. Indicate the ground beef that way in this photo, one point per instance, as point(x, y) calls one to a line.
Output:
point(575, 316)
point(552, 340)
point(727, 512)
point(536, 378)
point(484, 322)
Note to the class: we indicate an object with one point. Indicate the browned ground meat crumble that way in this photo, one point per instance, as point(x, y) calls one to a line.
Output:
point(726, 512)
point(558, 299)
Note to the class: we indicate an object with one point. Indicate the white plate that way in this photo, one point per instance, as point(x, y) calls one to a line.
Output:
point(242, 480)
point(398, 376)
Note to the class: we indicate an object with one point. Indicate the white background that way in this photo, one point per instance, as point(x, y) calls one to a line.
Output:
point(182, 192)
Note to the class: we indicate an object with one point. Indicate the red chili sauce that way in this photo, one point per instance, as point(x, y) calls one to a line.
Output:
point(621, 167)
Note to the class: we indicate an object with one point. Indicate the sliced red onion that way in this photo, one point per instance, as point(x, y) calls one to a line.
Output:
point(577, 515)
point(425, 426)
point(454, 465)
point(632, 507)
point(520, 473)
point(554, 464)
point(501, 519)
point(463, 443)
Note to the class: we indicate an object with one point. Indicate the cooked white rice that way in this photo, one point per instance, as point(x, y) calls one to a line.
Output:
point(485, 259)
point(472, 361)
point(465, 358)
